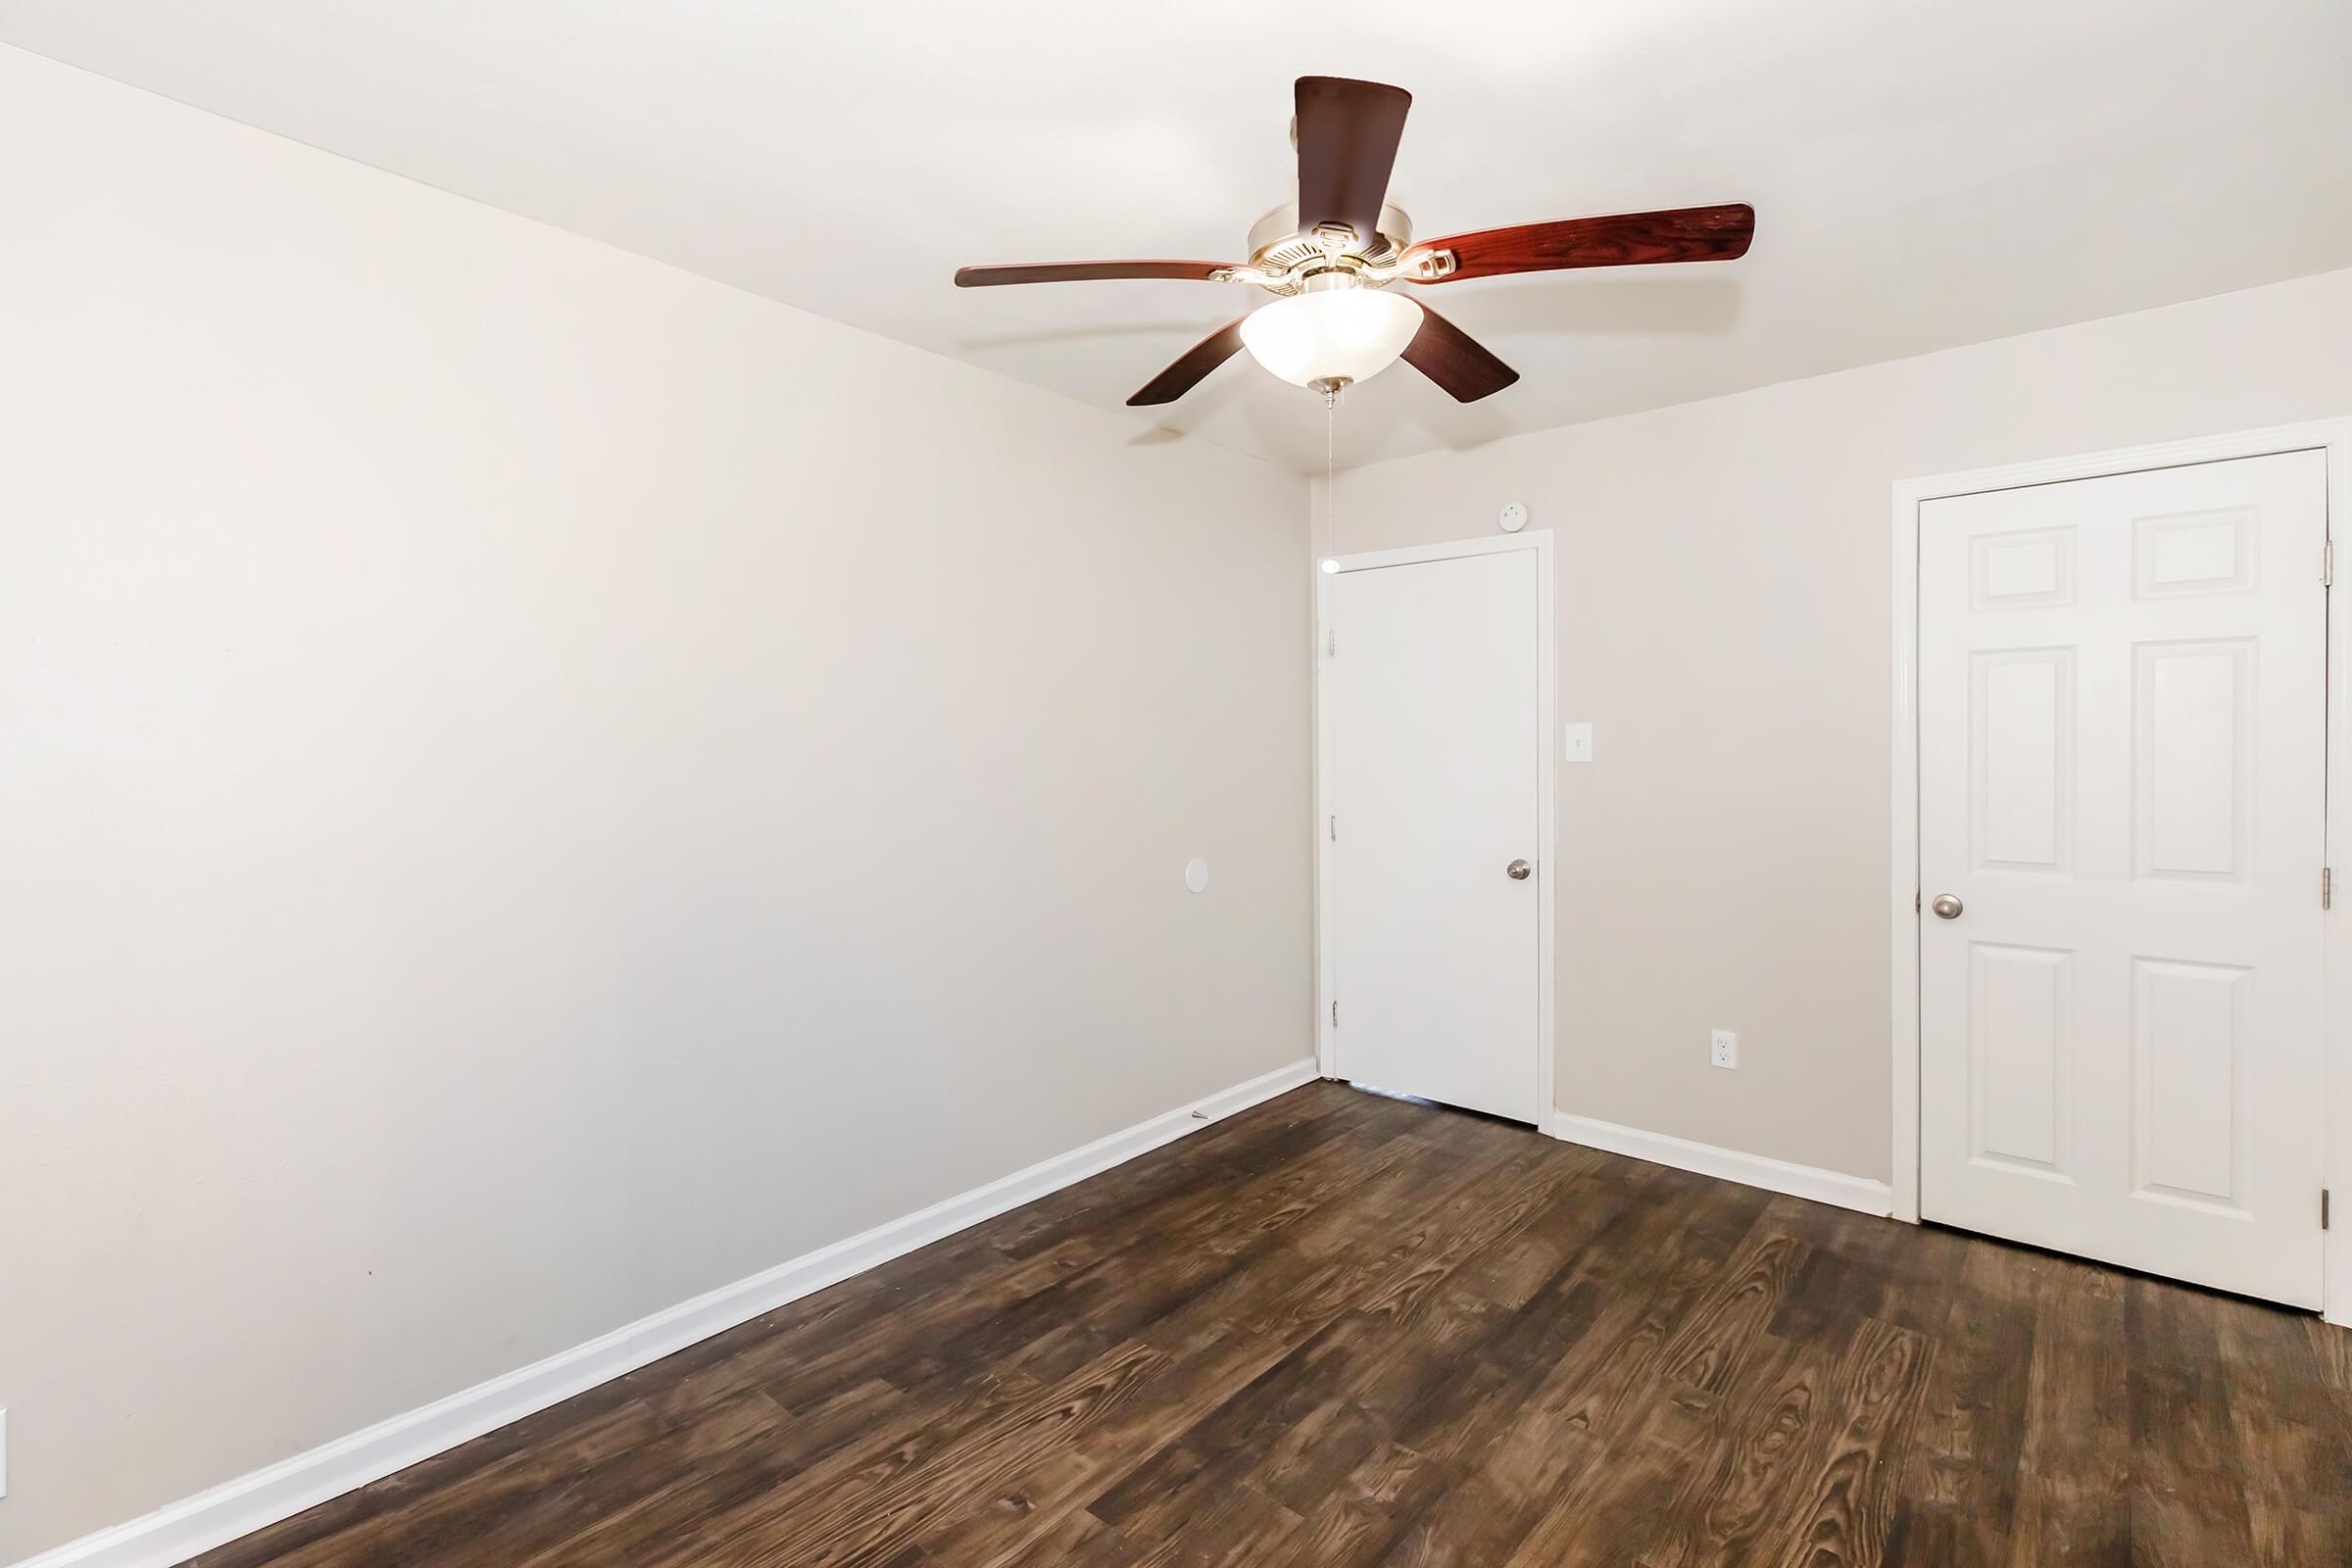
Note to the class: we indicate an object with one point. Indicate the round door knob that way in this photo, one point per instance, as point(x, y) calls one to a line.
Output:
point(1517, 870)
point(1945, 906)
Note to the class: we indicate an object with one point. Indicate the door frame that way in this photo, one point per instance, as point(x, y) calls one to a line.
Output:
point(1548, 659)
point(2334, 437)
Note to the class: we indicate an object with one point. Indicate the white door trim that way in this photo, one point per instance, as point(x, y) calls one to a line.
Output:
point(2334, 436)
point(1547, 658)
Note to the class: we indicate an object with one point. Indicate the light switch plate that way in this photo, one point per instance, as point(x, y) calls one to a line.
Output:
point(1576, 743)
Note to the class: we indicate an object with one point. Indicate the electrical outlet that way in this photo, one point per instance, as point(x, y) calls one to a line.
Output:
point(1723, 1049)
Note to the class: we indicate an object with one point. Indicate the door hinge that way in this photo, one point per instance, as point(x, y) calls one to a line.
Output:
point(1915, 901)
point(2328, 565)
point(2326, 887)
point(1335, 1012)
point(1331, 643)
point(1335, 830)
point(2323, 1208)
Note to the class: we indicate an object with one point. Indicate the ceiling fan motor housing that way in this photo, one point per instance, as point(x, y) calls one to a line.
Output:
point(1277, 243)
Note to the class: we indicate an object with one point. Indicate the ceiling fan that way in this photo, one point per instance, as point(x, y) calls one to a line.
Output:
point(1332, 253)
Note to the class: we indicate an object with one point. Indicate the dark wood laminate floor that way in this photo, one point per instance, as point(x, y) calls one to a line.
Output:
point(1342, 1329)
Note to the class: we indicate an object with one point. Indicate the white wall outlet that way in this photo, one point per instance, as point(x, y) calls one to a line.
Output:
point(1723, 1049)
point(1576, 743)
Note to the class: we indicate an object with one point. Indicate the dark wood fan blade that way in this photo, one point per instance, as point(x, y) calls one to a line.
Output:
point(1190, 365)
point(1455, 360)
point(1084, 271)
point(1628, 239)
point(1348, 136)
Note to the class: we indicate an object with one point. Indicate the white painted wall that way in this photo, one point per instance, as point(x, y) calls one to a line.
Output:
point(533, 785)
point(1725, 621)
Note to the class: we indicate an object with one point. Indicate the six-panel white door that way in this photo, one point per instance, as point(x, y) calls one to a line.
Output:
point(2122, 746)
point(1432, 773)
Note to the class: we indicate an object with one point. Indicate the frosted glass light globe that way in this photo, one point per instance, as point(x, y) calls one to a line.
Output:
point(1346, 334)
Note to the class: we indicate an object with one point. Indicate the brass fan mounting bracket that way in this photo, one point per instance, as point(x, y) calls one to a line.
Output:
point(1426, 267)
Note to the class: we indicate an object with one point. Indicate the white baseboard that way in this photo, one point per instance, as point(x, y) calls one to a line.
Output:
point(1752, 1170)
point(280, 1491)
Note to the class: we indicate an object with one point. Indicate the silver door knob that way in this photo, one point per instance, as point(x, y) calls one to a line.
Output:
point(1945, 906)
point(1517, 870)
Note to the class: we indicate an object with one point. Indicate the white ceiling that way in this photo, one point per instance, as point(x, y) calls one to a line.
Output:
point(1924, 173)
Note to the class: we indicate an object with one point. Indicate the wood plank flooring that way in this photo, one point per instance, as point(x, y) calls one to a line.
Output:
point(1342, 1329)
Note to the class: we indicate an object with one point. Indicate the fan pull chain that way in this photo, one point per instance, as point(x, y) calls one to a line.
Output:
point(1331, 478)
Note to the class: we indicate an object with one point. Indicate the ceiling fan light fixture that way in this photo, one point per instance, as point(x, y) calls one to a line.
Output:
point(1332, 250)
point(1328, 336)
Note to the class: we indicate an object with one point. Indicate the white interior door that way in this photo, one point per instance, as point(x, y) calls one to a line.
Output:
point(1432, 778)
point(2121, 744)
